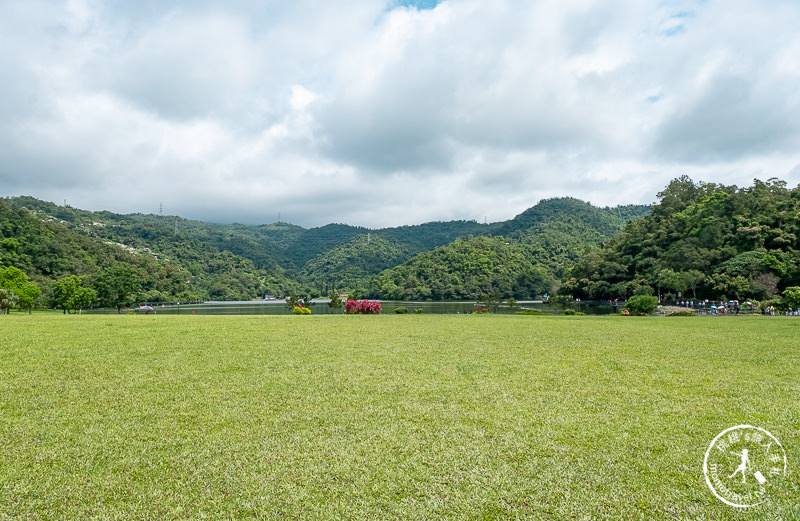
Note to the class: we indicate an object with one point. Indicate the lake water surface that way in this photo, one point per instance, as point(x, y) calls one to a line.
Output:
point(278, 307)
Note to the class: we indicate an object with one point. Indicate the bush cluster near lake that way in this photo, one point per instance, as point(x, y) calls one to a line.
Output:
point(642, 304)
point(385, 417)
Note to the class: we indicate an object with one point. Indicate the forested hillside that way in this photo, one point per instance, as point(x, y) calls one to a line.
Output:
point(704, 240)
point(49, 242)
point(45, 249)
point(180, 259)
point(349, 266)
point(568, 211)
point(701, 239)
point(540, 244)
point(465, 269)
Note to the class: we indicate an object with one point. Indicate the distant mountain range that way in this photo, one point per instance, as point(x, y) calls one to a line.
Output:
point(182, 259)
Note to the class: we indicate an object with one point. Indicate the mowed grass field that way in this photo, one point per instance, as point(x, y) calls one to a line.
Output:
point(386, 417)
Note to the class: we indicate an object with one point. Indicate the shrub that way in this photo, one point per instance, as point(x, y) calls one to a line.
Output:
point(682, 314)
point(642, 304)
point(418, 311)
point(569, 312)
point(300, 310)
point(791, 297)
point(362, 307)
point(401, 311)
point(531, 312)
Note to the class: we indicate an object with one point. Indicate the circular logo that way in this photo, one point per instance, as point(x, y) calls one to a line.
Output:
point(742, 464)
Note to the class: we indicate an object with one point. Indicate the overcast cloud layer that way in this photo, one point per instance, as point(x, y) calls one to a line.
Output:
point(381, 113)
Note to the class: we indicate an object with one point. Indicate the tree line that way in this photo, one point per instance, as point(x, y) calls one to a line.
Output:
point(117, 286)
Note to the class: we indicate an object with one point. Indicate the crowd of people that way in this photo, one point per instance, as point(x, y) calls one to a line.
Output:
point(733, 307)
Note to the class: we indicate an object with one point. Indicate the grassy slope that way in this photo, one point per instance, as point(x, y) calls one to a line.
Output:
point(407, 417)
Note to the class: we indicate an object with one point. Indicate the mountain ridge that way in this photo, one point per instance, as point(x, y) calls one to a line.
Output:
point(282, 257)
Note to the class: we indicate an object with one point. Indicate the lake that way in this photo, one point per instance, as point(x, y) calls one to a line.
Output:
point(278, 307)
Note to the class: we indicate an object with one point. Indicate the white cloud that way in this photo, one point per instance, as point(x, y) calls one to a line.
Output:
point(373, 114)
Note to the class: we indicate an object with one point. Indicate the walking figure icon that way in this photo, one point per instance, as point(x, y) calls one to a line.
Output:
point(743, 465)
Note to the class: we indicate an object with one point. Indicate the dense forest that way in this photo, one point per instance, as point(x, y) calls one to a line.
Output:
point(168, 258)
point(703, 241)
point(350, 266)
point(526, 262)
point(168, 266)
point(465, 269)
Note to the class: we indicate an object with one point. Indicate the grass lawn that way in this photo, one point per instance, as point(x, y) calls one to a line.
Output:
point(386, 417)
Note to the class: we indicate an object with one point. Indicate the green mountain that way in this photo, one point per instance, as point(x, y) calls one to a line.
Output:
point(704, 240)
point(540, 244)
point(45, 249)
point(567, 211)
point(236, 261)
point(55, 241)
point(465, 269)
point(427, 236)
point(557, 232)
point(349, 266)
point(313, 242)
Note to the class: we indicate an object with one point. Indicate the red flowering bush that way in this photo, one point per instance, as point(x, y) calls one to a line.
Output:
point(362, 307)
point(300, 310)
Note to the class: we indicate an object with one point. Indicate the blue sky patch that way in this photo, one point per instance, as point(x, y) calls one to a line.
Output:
point(419, 4)
point(675, 24)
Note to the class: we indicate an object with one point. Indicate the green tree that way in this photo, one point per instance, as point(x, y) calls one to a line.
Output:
point(336, 300)
point(28, 294)
point(671, 279)
point(26, 291)
point(693, 279)
point(491, 300)
point(118, 286)
point(12, 277)
point(730, 286)
point(791, 297)
point(84, 297)
point(8, 299)
point(293, 301)
point(679, 194)
point(71, 294)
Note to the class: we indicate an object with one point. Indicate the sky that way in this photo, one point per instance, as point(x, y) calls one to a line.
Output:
point(385, 112)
